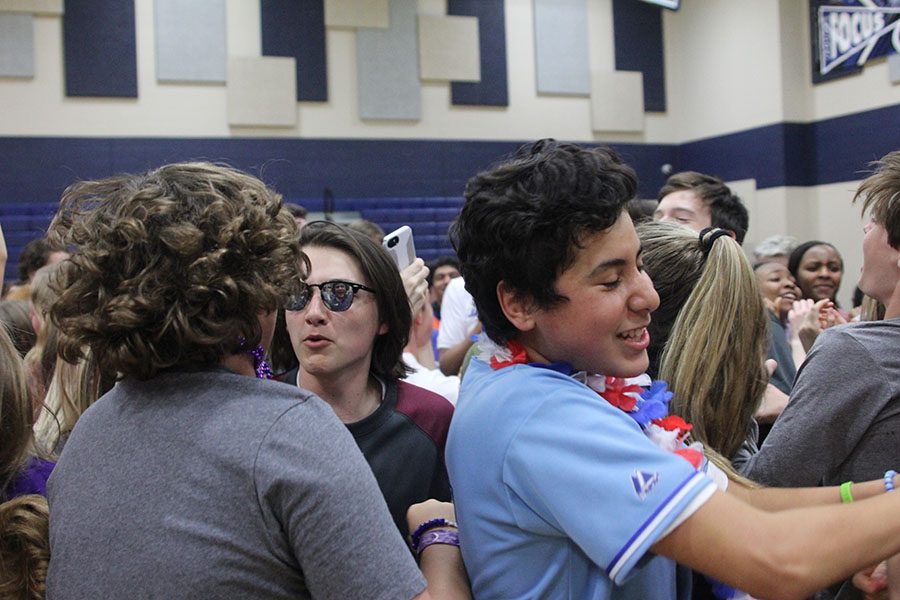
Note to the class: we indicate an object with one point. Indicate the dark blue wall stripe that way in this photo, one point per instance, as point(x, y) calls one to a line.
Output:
point(493, 89)
point(758, 151)
point(637, 28)
point(296, 28)
point(99, 46)
point(845, 145)
point(797, 154)
point(37, 169)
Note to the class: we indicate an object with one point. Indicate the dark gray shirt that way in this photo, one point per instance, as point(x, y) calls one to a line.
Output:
point(215, 485)
point(843, 419)
point(842, 422)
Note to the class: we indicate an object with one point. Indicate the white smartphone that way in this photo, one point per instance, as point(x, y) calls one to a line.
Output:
point(399, 244)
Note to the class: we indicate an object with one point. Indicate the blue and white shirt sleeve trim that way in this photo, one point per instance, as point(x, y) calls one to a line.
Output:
point(681, 504)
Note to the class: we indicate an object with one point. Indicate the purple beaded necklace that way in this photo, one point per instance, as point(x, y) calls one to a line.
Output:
point(258, 354)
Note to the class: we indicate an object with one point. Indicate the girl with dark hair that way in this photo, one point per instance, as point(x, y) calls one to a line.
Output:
point(818, 268)
point(348, 326)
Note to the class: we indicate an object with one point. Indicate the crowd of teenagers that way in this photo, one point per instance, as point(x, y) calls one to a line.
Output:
point(206, 395)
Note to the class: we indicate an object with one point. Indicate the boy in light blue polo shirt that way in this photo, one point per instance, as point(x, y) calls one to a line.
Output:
point(559, 490)
point(559, 493)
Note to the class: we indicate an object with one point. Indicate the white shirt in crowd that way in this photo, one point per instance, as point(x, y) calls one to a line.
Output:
point(458, 315)
point(432, 379)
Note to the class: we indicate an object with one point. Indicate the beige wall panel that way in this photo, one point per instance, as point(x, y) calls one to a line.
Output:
point(894, 68)
point(796, 71)
point(357, 13)
point(261, 92)
point(448, 48)
point(840, 223)
point(768, 217)
point(617, 101)
point(36, 7)
point(722, 67)
point(242, 24)
point(747, 192)
point(697, 93)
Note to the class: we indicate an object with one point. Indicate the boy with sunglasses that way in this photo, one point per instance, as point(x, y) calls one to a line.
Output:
point(348, 326)
point(559, 490)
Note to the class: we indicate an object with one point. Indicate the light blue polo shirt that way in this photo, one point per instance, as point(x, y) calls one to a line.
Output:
point(559, 494)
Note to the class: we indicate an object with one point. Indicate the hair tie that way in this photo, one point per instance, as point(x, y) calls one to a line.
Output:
point(706, 242)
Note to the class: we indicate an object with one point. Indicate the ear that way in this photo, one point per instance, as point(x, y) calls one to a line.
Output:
point(732, 234)
point(383, 329)
point(518, 309)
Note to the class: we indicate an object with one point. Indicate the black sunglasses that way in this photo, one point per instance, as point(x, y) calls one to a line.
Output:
point(337, 295)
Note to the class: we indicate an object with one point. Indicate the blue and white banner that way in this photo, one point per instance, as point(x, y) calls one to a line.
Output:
point(851, 32)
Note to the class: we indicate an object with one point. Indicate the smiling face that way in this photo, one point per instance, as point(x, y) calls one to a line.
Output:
point(775, 281)
point(684, 207)
point(602, 326)
point(332, 344)
point(881, 264)
point(819, 273)
point(441, 279)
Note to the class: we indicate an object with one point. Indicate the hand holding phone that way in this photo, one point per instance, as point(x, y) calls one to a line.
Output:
point(399, 244)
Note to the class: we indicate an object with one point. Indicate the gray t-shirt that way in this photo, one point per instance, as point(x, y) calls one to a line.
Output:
point(214, 485)
point(842, 422)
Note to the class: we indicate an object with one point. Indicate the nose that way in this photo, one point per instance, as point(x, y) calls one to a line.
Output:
point(644, 297)
point(316, 312)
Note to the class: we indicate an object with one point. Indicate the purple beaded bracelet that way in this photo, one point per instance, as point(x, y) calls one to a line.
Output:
point(437, 536)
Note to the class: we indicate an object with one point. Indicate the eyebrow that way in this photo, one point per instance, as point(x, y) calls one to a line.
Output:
point(684, 211)
point(613, 263)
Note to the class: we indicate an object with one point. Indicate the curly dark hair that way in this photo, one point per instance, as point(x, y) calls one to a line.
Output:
point(725, 207)
point(24, 547)
point(173, 266)
point(525, 219)
point(381, 273)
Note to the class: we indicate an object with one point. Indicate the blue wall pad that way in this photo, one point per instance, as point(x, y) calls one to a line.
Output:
point(561, 47)
point(296, 28)
point(638, 35)
point(493, 89)
point(38, 169)
point(387, 64)
point(16, 45)
point(99, 47)
point(190, 40)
